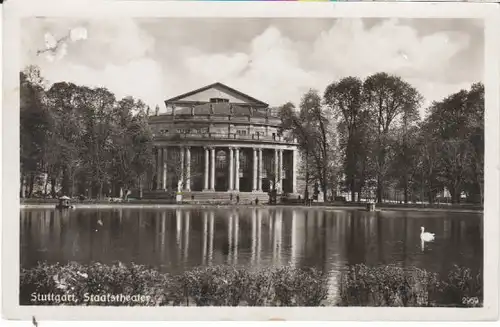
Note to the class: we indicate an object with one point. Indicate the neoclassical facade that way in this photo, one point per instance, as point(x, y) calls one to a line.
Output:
point(217, 140)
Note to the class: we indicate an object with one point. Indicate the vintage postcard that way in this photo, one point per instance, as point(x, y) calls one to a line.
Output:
point(214, 160)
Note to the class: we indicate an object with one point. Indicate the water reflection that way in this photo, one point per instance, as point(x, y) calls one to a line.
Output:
point(174, 240)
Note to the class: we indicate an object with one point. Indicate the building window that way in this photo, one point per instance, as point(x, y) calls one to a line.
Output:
point(241, 132)
point(219, 100)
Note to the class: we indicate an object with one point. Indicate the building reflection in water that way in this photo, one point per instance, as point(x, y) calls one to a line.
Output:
point(187, 217)
point(230, 237)
point(205, 237)
point(178, 225)
point(236, 236)
point(175, 240)
point(293, 246)
point(277, 237)
point(211, 238)
point(163, 233)
point(259, 236)
point(254, 235)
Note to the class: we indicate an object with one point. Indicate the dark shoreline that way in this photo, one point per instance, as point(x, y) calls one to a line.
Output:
point(50, 203)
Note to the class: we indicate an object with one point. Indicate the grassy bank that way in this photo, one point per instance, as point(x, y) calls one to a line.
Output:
point(227, 286)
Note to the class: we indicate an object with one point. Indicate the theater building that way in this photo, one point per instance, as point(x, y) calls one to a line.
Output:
point(216, 142)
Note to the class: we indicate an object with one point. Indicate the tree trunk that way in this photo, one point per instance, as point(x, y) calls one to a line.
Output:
point(406, 190)
point(306, 191)
point(353, 190)
point(430, 194)
point(453, 195)
point(65, 181)
point(481, 193)
point(458, 196)
point(53, 187)
point(31, 185)
point(21, 189)
point(422, 191)
point(46, 185)
point(72, 189)
point(379, 190)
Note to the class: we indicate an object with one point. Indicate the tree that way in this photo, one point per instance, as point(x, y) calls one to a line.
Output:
point(64, 149)
point(456, 126)
point(122, 147)
point(475, 103)
point(97, 107)
point(387, 98)
point(319, 138)
point(345, 100)
point(301, 130)
point(81, 138)
point(404, 146)
point(34, 127)
point(142, 142)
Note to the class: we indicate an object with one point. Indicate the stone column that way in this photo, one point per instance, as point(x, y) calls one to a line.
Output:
point(165, 168)
point(212, 169)
point(231, 165)
point(207, 165)
point(188, 169)
point(158, 169)
point(237, 169)
point(294, 171)
point(276, 177)
point(259, 175)
point(182, 166)
point(254, 175)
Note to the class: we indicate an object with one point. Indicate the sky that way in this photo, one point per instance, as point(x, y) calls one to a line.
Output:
point(274, 60)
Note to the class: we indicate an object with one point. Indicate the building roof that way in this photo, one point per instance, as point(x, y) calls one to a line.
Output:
point(235, 95)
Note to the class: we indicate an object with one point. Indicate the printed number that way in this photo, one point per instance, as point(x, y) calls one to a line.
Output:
point(470, 300)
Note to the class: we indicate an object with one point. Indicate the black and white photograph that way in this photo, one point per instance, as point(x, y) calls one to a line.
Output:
point(255, 160)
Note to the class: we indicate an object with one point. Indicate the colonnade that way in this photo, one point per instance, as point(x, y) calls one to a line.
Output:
point(233, 168)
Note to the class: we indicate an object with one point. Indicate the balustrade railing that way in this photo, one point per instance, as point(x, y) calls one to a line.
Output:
point(225, 136)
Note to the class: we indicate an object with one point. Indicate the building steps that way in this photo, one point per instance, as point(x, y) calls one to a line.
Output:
point(211, 197)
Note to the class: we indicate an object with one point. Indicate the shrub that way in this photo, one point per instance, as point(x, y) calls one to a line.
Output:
point(312, 288)
point(259, 288)
point(461, 286)
point(360, 285)
point(390, 285)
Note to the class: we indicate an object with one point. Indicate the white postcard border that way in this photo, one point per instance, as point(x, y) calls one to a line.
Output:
point(14, 10)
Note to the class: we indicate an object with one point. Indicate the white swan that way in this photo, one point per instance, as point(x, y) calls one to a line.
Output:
point(425, 236)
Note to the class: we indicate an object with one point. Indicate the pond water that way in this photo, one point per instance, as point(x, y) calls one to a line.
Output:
point(173, 240)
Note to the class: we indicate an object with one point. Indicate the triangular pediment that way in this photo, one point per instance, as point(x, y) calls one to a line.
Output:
point(216, 90)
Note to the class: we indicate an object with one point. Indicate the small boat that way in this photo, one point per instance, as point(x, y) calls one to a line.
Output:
point(64, 203)
point(370, 206)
